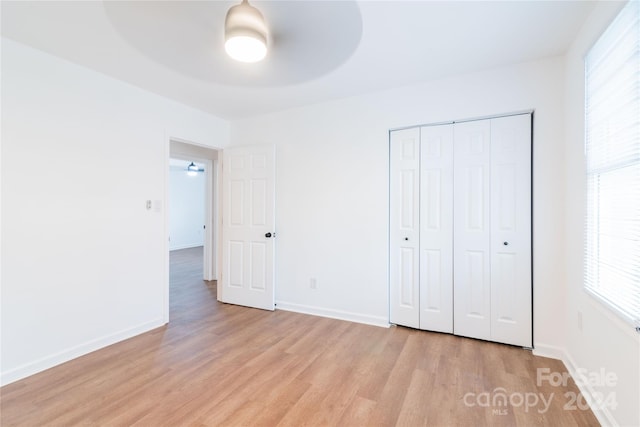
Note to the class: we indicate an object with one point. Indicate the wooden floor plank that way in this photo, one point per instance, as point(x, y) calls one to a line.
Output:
point(218, 364)
point(359, 413)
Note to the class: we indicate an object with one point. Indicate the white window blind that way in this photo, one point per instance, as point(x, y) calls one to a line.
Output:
point(612, 121)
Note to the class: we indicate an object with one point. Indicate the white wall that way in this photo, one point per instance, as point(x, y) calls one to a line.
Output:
point(186, 209)
point(84, 264)
point(332, 187)
point(605, 342)
point(83, 261)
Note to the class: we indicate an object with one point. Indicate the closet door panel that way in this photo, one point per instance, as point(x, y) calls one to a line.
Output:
point(472, 235)
point(511, 230)
point(404, 268)
point(436, 228)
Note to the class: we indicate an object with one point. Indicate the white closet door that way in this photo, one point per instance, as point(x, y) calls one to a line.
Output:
point(404, 262)
point(472, 257)
point(511, 230)
point(436, 228)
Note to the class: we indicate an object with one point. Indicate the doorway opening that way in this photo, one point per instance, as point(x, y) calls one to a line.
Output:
point(187, 199)
point(192, 221)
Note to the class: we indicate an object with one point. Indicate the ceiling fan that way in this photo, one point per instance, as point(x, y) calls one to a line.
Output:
point(245, 33)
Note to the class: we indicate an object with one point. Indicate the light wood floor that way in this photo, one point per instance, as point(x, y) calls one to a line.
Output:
point(218, 364)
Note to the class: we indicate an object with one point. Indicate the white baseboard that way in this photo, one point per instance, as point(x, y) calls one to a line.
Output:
point(333, 314)
point(50, 361)
point(188, 246)
point(604, 416)
point(551, 351)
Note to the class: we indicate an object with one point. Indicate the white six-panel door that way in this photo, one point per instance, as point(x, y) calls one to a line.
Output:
point(436, 228)
point(404, 271)
point(471, 187)
point(511, 230)
point(248, 177)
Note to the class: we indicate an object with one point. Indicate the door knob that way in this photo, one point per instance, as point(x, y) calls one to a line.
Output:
point(505, 243)
point(406, 238)
point(268, 235)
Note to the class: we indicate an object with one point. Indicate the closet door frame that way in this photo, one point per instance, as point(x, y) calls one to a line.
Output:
point(506, 326)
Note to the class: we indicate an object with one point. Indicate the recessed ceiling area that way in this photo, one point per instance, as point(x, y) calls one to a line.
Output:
point(321, 50)
point(307, 39)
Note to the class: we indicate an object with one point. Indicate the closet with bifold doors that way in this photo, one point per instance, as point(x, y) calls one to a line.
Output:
point(460, 228)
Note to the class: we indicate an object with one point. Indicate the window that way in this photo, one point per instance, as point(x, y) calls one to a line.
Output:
point(612, 121)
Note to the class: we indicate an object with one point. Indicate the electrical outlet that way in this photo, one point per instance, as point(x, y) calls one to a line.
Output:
point(313, 283)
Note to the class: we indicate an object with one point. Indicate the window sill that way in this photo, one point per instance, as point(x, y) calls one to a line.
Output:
point(619, 319)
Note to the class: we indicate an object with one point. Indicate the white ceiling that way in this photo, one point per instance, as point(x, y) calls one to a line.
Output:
point(320, 50)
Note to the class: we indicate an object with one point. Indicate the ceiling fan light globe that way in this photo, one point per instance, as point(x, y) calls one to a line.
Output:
point(246, 49)
point(245, 33)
